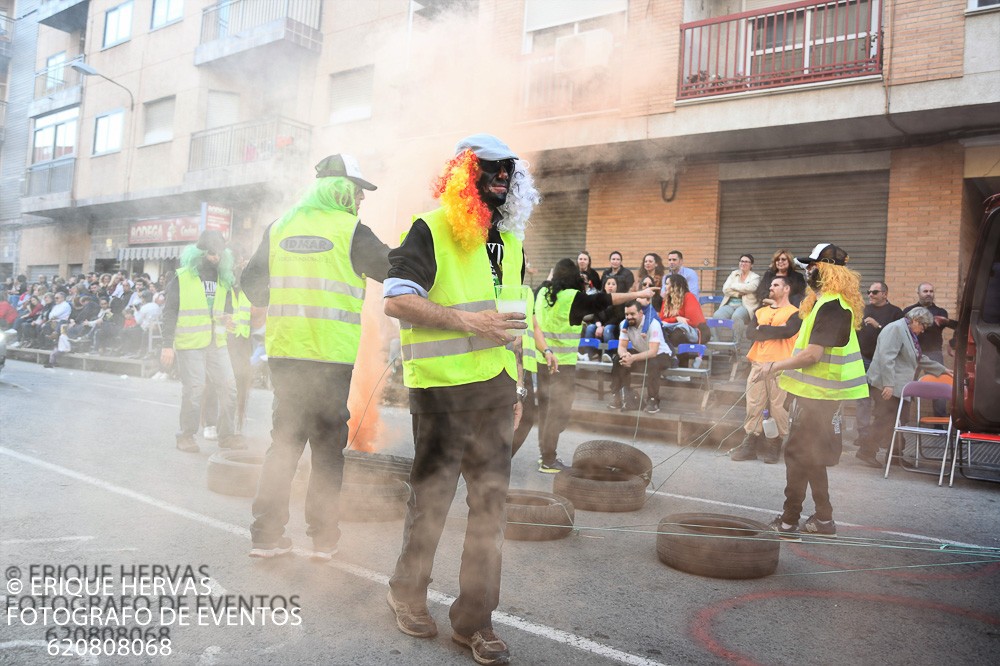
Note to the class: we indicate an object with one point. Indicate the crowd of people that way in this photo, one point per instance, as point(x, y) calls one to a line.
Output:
point(110, 314)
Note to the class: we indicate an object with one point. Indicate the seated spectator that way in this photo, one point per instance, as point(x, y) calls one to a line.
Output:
point(30, 334)
point(131, 333)
point(652, 268)
point(604, 324)
point(622, 275)
point(105, 328)
point(648, 355)
point(739, 295)
point(87, 311)
point(675, 266)
point(651, 307)
point(681, 313)
point(591, 279)
point(782, 264)
point(8, 313)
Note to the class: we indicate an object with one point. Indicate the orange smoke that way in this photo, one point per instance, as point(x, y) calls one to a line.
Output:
point(368, 370)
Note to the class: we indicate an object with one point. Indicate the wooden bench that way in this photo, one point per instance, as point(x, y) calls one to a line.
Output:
point(137, 367)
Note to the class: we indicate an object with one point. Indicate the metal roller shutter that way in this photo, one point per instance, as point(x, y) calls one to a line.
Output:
point(558, 229)
point(849, 210)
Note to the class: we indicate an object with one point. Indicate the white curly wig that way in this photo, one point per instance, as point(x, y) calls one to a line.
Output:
point(521, 200)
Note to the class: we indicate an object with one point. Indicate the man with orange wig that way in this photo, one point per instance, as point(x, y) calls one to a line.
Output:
point(464, 380)
point(824, 370)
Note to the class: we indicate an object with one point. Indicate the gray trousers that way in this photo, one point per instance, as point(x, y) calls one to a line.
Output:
point(194, 366)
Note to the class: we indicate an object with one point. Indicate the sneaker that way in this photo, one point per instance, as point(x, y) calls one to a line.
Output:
point(652, 406)
point(272, 549)
point(210, 433)
point(867, 458)
point(582, 357)
point(817, 527)
point(605, 358)
point(616, 402)
point(322, 553)
point(187, 444)
point(747, 450)
point(487, 648)
point(553, 467)
point(786, 533)
point(413, 619)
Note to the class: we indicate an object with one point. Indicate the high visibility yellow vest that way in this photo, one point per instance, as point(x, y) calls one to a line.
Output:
point(241, 314)
point(560, 336)
point(529, 355)
point(314, 311)
point(194, 320)
point(838, 375)
point(436, 357)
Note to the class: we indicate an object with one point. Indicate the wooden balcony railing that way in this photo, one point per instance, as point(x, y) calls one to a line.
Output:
point(803, 42)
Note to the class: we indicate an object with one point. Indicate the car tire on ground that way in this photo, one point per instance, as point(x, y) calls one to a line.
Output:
point(537, 516)
point(600, 489)
point(397, 466)
point(373, 497)
point(616, 456)
point(234, 472)
point(691, 542)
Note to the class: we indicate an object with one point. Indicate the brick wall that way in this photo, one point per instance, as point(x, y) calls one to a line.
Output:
point(923, 239)
point(627, 213)
point(650, 73)
point(925, 40)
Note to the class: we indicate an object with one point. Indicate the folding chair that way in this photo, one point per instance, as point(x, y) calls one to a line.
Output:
point(922, 390)
point(714, 300)
point(587, 344)
point(725, 343)
point(976, 452)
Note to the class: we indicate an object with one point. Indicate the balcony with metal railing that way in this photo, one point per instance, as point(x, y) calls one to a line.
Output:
point(246, 153)
point(3, 121)
point(786, 45)
point(232, 27)
point(56, 87)
point(49, 186)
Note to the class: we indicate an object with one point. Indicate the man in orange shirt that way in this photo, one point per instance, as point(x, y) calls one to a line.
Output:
point(773, 329)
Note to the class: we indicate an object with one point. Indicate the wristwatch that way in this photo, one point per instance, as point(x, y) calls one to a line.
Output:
point(522, 393)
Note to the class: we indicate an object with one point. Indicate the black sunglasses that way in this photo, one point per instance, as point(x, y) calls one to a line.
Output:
point(876, 291)
point(494, 166)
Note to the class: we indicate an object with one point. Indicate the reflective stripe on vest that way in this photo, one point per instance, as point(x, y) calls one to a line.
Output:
point(464, 281)
point(241, 314)
point(838, 375)
point(314, 310)
point(560, 336)
point(529, 358)
point(194, 321)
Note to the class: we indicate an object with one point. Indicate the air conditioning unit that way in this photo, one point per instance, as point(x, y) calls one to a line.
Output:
point(585, 50)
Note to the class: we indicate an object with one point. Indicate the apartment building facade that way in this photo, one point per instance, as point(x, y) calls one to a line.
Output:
point(712, 126)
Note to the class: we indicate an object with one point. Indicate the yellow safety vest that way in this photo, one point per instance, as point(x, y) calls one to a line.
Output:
point(314, 310)
point(529, 356)
point(838, 375)
point(241, 314)
point(194, 321)
point(560, 336)
point(435, 357)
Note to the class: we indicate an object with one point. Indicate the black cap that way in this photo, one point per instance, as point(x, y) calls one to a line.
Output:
point(211, 241)
point(343, 166)
point(827, 253)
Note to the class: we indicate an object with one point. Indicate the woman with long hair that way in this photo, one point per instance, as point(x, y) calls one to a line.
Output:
point(559, 311)
point(782, 263)
point(681, 313)
point(604, 324)
point(652, 267)
point(591, 278)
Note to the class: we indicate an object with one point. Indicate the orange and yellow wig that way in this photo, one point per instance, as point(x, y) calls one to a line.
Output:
point(837, 280)
point(468, 216)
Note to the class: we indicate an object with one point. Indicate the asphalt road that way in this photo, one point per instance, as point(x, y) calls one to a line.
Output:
point(89, 477)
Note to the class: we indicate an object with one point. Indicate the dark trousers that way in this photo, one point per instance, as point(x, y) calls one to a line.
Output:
point(475, 445)
point(883, 422)
point(529, 412)
point(811, 448)
point(310, 405)
point(940, 406)
point(555, 404)
point(621, 377)
point(239, 356)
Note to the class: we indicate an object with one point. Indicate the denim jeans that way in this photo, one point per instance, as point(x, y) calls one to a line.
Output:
point(195, 366)
point(740, 317)
point(310, 405)
point(690, 332)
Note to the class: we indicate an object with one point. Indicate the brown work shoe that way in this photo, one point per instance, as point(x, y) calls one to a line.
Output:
point(413, 619)
point(487, 647)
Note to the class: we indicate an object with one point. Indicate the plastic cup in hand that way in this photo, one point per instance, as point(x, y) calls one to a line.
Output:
point(513, 299)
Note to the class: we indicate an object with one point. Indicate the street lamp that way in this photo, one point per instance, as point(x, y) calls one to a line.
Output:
point(87, 70)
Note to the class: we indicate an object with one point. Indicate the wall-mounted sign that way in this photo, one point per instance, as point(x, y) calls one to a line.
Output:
point(181, 229)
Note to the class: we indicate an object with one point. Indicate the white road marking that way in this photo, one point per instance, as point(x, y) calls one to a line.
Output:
point(214, 587)
point(13, 645)
point(154, 402)
point(507, 619)
point(11, 542)
point(207, 657)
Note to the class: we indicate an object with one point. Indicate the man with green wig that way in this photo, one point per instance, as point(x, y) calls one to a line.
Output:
point(309, 272)
point(196, 314)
